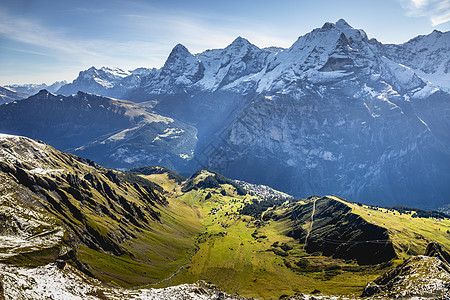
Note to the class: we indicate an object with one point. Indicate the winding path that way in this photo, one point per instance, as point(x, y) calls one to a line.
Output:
point(189, 260)
point(311, 224)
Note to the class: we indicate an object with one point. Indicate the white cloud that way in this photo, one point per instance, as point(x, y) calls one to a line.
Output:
point(142, 38)
point(199, 33)
point(150, 39)
point(60, 45)
point(437, 11)
point(419, 3)
point(32, 33)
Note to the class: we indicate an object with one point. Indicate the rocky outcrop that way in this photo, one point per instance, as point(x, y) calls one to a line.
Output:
point(424, 276)
point(52, 282)
point(435, 250)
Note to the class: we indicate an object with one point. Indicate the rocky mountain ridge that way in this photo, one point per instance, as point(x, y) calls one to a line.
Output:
point(100, 128)
point(68, 187)
point(59, 207)
point(262, 69)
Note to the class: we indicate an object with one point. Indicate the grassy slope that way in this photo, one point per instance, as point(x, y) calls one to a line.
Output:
point(163, 180)
point(158, 252)
point(233, 250)
point(231, 257)
point(410, 235)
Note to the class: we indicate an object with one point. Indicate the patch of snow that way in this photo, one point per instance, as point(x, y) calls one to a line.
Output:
point(439, 79)
point(425, 92)
point(9, 136)
point(327, 155)
point(50, 282)
point(45, 171)
point(184, 156)
point(423, 122)
point(23, 230)
point(171, 133)
point(104, 83)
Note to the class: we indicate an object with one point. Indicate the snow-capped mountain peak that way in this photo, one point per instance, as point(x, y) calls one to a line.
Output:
point(427, 55)
point(178, 52)
point(342, 23)
point(32, 88)
point(97, 81)
point(105, 73)
point(331, 52)
point(181, 69)
point(326, 37)
point(240, 43)
point(182, 63)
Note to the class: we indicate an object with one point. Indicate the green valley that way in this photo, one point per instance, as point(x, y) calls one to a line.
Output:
point(256, 257)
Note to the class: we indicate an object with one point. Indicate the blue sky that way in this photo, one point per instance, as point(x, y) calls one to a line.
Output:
point(49, 40)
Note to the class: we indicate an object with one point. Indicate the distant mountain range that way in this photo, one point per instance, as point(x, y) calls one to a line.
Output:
point(336, 113)
point(243, 66)
point(32, 89)
point(10, 93)
point(7, 95)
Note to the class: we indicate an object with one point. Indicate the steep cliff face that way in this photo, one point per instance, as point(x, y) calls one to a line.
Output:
point(360, 147)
